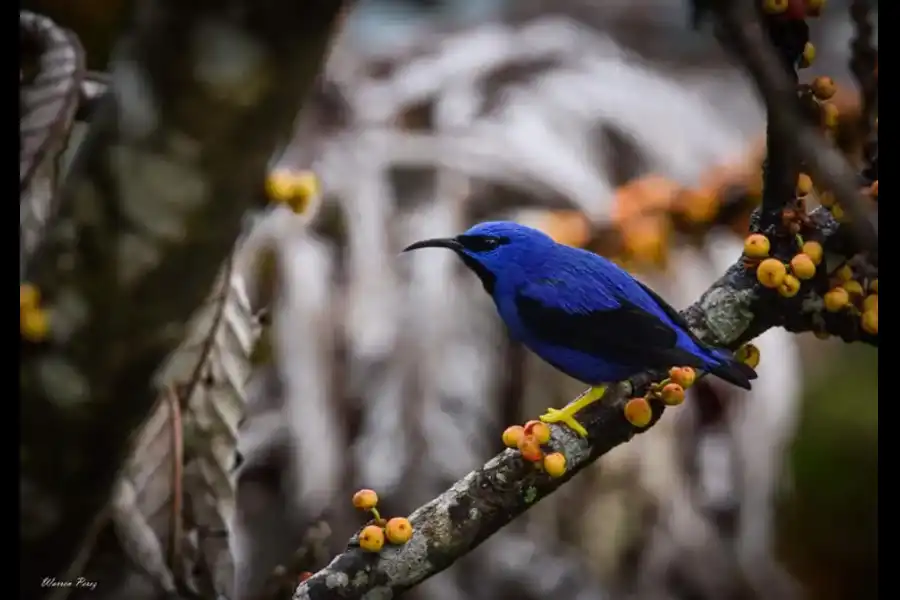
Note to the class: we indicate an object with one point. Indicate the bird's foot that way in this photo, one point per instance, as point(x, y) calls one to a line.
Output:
point(566, 415)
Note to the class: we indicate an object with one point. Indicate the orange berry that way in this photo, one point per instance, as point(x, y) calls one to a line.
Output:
point(365, 499)
point(870, 302)
point(371, 538)
point(398, 530)
point(540, 431)
point(823, 87)
point(814, 251)
point(756, 245)
point(775, 7)
point(305, 188)
point(33, 324)
point(826, 199)
point(638, 412)
point(672, 394)
point(803, 266)
point(555, 464)
point(830, 115)
point(530, 448)
point(873, 189)
point(808, 56)
point(789, 287)
point(280, 186)
point(804, 185)
point(845, 273)
point(873, 286)
point(29, 296)
point(869, 321)
point(853, 288)
point(512, 435)
point(683, 376)
point(836, 299)
point(771, 272)
point(749, 355)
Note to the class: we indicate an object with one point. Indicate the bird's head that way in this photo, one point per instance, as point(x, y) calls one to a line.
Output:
point(495, 250)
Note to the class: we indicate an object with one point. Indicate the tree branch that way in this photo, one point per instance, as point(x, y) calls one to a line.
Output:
point(201, 97)
point(734, 310)
point(741, 30)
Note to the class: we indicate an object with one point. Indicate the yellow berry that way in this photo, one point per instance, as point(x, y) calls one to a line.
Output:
point(808, 56)
point(830, 115)
point(853, 288)
point(280, 186)
point(775, 7)
point(836, 299)
point(398, 530)
point(814, 251)
point(756, 245)
point(870, 302)
point(789, 287)
point(371, 538)
point(672, 394)
point(771, 272)
point(749, 355)
point(804, 185)
point(306, 187)
point(555, 464)
point(683, 376)
point(29, 296)
point(33, 324)
point(365, 499)
point(837, 212)
point(540, 431)
point(512, 435)
point(869, 321)
point(823, 87)
point(638, 412)
point(803, 266)
point(826, 199)
point(530, 448)
point(873, 286)
point(845, 273)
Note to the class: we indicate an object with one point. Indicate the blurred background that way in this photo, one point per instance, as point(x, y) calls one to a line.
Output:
point(612, 125)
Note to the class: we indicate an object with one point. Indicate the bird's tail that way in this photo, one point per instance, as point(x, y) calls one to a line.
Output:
point(728, 368)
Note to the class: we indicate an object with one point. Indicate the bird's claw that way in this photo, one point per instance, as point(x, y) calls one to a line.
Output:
point(567, 414)
point(555, 415)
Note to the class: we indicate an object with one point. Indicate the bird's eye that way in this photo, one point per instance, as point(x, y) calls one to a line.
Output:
point(479, 243)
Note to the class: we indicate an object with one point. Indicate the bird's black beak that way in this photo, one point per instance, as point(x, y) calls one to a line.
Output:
point(450, 243)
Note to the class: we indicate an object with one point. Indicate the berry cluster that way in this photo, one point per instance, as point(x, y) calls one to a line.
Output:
point(528, 440)
point(372, 537)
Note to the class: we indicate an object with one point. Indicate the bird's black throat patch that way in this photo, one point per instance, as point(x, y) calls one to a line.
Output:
point(488, 279)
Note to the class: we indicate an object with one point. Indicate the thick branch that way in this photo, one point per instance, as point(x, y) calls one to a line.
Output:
point(741, 28)
point(202, 95)
point(732, 311)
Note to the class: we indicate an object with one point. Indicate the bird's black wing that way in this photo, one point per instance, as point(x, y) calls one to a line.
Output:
point(673, 314)
point(626, 334)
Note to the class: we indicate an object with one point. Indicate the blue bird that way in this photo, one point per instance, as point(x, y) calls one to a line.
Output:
point(581, 313)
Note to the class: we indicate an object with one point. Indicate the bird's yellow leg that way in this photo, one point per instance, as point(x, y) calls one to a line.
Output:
point(567, 414)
